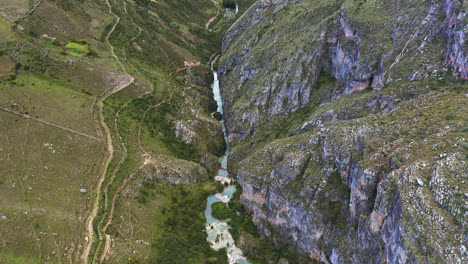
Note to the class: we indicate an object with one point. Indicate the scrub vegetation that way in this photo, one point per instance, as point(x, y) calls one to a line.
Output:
point(64, 69)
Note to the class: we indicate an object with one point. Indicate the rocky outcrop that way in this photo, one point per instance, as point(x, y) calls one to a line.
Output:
point(342, 174)
point(330, 195)
point(272, 62)
point(176, 171)
point(193, 124)
point(456, 20)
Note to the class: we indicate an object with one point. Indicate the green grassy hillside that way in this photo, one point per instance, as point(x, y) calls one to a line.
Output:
point(91, 109)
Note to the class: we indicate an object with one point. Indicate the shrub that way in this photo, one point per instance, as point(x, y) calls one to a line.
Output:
point(218, 116)
point(11, 76)
point(229, 4)
point(32, 33)
point(56, 43)
point(183, 237)
point(220, 211)
point(450, 116)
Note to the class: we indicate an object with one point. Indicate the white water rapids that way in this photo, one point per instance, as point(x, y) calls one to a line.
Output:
point(217, 230)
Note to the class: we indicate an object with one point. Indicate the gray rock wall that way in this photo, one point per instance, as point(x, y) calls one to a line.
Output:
point(333, 170)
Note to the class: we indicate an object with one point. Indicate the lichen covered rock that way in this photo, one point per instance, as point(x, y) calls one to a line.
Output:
point(176, 171)
point(347, 127)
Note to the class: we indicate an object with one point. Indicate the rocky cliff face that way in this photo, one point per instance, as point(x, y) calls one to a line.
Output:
point(275, 53)
point(457, 53)
point(348, 127)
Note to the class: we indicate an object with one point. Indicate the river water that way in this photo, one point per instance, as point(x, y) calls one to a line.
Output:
point(217, 230)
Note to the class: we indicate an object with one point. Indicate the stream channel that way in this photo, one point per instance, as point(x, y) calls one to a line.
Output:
point(217, 230)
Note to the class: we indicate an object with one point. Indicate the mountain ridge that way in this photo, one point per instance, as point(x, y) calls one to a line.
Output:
point(329, 146)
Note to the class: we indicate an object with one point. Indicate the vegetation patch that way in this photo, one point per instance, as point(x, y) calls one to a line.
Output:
point(165, 220)
point(180, 226)
point(6, 65)
point(257, 249)
point(229, 4)
point(77, 49)
point(5, 30)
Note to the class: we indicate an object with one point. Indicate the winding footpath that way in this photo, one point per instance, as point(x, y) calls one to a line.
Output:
point(125, 82)
point(208, 23)
point(116, 169)
point(111, 213)
point(147, 160)
point(146, 156)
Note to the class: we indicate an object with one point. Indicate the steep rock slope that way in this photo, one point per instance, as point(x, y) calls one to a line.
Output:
point(348, 127)
point(279, 48)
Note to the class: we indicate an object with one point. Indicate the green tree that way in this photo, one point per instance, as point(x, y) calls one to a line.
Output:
point(229, 4)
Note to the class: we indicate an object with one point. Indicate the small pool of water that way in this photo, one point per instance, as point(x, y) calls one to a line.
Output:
point(217, 230)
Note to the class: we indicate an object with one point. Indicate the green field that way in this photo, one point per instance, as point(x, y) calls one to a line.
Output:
point(76, 46)
point(5, 30)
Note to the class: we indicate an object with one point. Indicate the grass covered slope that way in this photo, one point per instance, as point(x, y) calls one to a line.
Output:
point(50, 160)
point(99, 120)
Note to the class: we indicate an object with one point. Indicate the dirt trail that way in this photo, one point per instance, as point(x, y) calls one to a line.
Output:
point(120, 189)
point(135, 24)
point(147, 160)
point(207, 24)
point(114, 198)
point(49, 124)
point(184, 68)
point(188, 66)
point(125, 82)
point(111, 48)
point(124, 148)
point(106, 248)
point(110, 153)
point(211, 57)
point(116, 169)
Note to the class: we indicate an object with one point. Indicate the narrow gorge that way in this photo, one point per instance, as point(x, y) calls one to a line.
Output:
point(218, 231)
point(233, 131)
